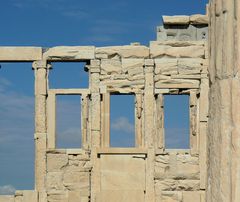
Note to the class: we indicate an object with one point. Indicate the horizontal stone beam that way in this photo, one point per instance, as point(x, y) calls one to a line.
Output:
point(69, 53)
point(122, 151)
point(197, 19)
point(178, 19)
point(20, 54)
point(75, 91)
point(58, 53)
point(177, 49)
point(128, 51)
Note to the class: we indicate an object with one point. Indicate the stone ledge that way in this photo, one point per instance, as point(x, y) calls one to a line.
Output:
point(122, 151)
point(197, 19)
point(70, 91)
point(173, 151)
point(20, 54)
point(176, 19)
point(127, 51)
point(69, 53)
point(66, 151)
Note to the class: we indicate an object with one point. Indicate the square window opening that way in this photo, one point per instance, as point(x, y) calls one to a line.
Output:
point(68, 75)
point(176, 121)
point(68, 121)
point(122, 120)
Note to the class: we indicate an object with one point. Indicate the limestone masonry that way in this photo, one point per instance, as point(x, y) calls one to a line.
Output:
point(187, 59)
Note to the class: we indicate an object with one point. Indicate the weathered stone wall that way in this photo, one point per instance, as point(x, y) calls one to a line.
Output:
point(175, 173)
point(224, 123)
point(68, 175)
point(179, 68)
point(21, 196)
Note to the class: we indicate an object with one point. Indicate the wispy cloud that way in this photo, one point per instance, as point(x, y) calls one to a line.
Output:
point(100, 27)
point(109, 30)
point(68, 121)
point(16, 113)
point(7, 190)
point(70, 136)
point(59, 6)
point(122, 124)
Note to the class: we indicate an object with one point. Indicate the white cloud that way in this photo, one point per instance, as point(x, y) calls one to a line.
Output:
point(7, 190)
point(122, 124)
point(16, 115)
point(177, 138)
point(68, 121)
point(70, 134)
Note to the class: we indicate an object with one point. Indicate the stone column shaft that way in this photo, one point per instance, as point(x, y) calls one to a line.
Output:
point(41, 82)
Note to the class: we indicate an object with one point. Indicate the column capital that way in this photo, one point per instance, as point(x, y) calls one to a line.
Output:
point(149, 62)
point(94, 66)
point(149, 65)
point(41, 64)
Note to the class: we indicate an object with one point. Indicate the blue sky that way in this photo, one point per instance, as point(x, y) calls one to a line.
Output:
point(49, 23)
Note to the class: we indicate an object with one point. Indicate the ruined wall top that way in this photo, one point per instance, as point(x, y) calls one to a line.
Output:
point(183, 28)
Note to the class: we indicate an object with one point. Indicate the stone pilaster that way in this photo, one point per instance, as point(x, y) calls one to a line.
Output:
point(149, 103)
point(223, 180)
point(149, 128)
point(138, 120)
point(94, 68)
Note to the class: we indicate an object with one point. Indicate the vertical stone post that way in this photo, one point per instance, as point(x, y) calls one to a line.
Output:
point(203, 122)
point(149, 103)
point(149, 128)
point(95, 126)
point(105, 139)
point(84, 121)
point(159, 122)
point(138, 120)
point(193, 122)
point(41, 87)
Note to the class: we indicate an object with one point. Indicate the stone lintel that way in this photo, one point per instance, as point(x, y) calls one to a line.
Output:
point(69, 53)
point(127, 51)
point(122, 151)
point(178, 19)
point(196, 19)
point(70, 91)
point(199, 19)
point(20, 54)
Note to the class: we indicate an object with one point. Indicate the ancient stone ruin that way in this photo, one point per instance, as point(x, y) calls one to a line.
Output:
point(176, 63)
